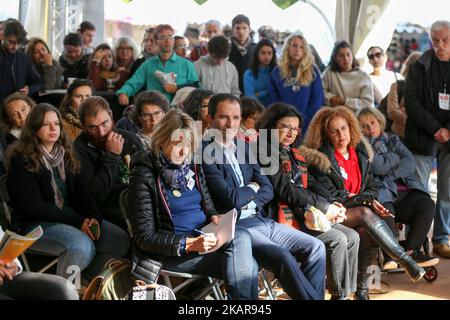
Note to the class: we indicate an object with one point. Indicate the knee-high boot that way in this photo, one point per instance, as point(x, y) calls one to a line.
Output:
point(382, 235)
point(366, 257)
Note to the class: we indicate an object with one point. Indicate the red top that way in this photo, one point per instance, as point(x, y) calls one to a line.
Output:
point(350, 170)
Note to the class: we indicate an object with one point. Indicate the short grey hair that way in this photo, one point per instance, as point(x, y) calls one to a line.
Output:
point(439, 25)
point(128, 42)
point(212, 21)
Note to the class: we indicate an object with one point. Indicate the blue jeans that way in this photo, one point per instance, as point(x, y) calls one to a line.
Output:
point(233, 263)
point(75, 248)
point(424, 165)
point(281, 249)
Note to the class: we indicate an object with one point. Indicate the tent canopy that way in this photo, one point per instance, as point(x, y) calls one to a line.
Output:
point(361, 22)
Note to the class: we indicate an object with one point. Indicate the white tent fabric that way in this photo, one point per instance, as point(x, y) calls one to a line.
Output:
point(36, 19)
point(365, 23)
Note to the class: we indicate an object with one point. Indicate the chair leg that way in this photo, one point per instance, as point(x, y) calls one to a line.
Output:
point(218, 295)
point(25, 262)
point(48, 266)
point(267, 285)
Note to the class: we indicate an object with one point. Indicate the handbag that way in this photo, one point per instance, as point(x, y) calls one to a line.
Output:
point(319, 222)
point(116, 283)
point(143, 291)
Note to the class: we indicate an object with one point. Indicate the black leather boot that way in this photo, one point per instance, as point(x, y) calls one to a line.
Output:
point(382, 235)
point(366, 258)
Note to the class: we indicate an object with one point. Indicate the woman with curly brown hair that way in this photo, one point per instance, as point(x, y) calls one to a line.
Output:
point(78, 91)
point(336, 133)
point(43, 188)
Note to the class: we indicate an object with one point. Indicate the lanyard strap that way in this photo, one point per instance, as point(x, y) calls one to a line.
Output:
point(444, 77)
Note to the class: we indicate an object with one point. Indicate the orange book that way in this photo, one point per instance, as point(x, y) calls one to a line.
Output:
point(13, 245)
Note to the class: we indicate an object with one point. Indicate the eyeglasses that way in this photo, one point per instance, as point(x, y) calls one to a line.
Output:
point(183, 46)
point(372, 56)
point(169, 37)
point(125, 48)
point(147, 116)
point(204, 106)
point(286, 129)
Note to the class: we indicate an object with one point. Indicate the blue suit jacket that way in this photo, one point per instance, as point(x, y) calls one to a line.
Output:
point(223, 184)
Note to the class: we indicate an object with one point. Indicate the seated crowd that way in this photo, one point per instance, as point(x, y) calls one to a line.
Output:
point(310, 162)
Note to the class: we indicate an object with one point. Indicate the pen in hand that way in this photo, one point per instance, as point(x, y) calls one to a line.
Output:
point(200, 232)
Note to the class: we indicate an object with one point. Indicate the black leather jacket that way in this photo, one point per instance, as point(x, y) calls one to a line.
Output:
point(333, 182)
point(150, 217)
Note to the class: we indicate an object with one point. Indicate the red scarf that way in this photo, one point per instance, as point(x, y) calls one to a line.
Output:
point(285, 214)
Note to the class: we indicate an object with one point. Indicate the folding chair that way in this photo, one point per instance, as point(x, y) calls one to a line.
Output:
point(214, 284)
point(271, 295)
point(6, 212)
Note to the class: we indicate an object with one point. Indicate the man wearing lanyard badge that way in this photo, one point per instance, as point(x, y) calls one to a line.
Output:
point(427, 102)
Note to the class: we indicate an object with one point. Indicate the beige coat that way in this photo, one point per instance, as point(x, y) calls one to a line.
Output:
point(396, 111)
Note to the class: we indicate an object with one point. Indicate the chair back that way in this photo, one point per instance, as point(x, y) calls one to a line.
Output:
point(5, 210)
point(123, 200)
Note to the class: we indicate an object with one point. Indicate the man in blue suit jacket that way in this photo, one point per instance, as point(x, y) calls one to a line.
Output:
point(235, 181)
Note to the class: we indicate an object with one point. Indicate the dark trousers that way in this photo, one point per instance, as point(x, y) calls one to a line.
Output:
point(342, 246)
point(297, 259)
point(415, 209)
point(38, 286)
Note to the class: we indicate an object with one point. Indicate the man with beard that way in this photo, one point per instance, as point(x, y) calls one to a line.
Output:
point(105, 153)
point(17, 73)
point(73, 61)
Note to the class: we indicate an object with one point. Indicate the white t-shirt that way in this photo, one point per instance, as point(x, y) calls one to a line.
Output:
point(383, 82)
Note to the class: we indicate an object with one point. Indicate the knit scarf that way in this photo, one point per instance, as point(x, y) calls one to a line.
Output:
point(242, 48)
point(174, 175)
point(290, 157)
point(55, 159)
point(72, 117)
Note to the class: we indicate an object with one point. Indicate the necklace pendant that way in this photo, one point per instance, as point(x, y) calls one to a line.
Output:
point(176, 193)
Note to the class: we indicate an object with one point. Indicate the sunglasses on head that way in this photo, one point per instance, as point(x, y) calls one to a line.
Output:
point(378, 55)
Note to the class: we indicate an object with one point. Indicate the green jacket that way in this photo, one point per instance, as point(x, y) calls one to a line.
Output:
point(145, 76)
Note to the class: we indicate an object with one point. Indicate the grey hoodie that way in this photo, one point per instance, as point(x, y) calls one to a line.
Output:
point(222, 78)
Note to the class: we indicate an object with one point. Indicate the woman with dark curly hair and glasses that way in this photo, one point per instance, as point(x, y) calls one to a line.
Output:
point(151, 106)
point(196, 105)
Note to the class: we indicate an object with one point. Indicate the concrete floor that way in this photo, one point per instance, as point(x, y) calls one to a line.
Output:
point(401, 288)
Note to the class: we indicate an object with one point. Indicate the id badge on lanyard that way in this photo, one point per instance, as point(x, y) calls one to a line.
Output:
point(444, 97)
point(444, 100)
